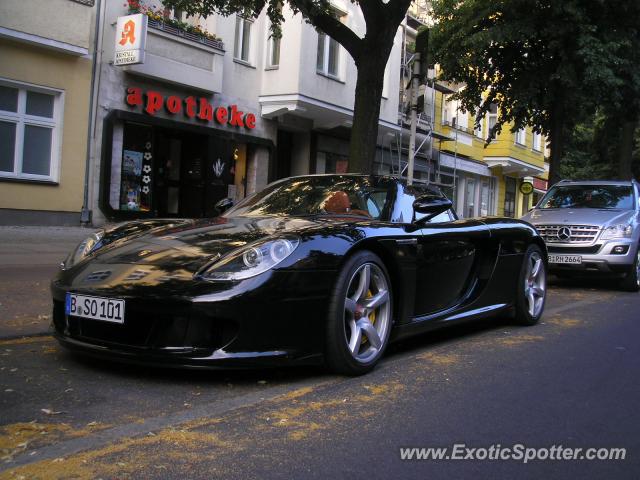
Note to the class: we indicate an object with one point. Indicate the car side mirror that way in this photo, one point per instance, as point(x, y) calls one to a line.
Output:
point(223, 205)
point(430, 205)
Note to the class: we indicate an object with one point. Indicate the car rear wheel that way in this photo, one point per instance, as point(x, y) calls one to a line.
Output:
point(532, 287)
point(360, 315)
point(631, 281)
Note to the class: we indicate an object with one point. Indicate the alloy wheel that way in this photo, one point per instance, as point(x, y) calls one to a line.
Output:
point(367, 312)
point(535, 284)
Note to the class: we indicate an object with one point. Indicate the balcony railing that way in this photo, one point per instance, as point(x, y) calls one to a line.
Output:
point(179, 32)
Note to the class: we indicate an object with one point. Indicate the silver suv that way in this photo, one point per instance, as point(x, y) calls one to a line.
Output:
point(591, 226)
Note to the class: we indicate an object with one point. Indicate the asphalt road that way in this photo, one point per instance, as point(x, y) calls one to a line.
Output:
point(571, 380)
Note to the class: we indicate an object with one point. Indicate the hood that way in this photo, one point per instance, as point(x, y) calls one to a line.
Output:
point(192, 243)
point(578, 216)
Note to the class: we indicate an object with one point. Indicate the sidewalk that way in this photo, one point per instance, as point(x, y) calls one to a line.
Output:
point(29, 257)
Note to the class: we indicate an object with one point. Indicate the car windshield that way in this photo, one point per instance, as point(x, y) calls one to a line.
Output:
point(589, 196)
point(321, 195)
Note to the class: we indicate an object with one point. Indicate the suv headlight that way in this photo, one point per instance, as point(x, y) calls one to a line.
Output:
point(84, 248)
point(251, 260)
point(623, 230)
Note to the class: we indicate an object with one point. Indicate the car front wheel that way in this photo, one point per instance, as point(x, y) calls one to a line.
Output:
point(631, 281)
point(360, 315)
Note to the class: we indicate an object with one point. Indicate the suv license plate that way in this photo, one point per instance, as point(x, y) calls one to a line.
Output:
point(567, 259)
point(95, 308)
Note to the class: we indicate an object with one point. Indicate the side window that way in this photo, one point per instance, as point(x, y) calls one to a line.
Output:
point(403, 209)
point(440, 218)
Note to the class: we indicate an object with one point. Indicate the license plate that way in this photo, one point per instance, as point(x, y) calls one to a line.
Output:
point(96, 308)
point(567, 259)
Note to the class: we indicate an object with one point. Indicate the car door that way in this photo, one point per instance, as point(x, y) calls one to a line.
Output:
point(449, 253)
point(448, 260)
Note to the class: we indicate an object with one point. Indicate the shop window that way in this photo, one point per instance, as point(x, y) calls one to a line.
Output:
point(136, 168)
point(242, 48)
point(509, 197)
point(29, 132)
point(470, 198)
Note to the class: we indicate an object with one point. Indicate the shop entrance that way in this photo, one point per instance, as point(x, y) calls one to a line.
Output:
point(193, 172)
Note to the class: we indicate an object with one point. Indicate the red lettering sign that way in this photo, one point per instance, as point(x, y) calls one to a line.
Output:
point(221, 115)
point(191, 107)
point(134, 96)
point(200, 108)
point(206, 110)
point(154, 102)
point(174, 104)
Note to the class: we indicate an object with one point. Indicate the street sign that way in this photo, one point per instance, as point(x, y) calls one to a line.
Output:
point(131, 36)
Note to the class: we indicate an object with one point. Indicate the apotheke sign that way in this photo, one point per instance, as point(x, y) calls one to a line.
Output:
point(191, 107)
point(131, 36)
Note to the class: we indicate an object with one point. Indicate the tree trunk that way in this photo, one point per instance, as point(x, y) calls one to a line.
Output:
point(366, 112)
point(556, 143)
point(625, 149)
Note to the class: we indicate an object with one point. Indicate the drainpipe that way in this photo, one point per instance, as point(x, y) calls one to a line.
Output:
point(85, 213)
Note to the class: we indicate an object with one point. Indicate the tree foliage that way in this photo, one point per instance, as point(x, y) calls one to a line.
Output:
point(544, 63)
point(369, 52)
point(592, 149)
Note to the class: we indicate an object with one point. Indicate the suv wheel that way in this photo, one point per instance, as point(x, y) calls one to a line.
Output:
point(631, 281)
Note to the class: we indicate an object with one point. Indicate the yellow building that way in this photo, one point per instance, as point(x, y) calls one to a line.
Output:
point(487, 177)
point(45, 82)
point(481, 179)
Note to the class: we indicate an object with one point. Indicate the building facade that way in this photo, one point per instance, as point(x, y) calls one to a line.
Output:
point(45, 77)
point(218, 109)
point(480, 179)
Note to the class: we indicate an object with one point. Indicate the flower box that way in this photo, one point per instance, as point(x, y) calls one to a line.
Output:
point(179, 32)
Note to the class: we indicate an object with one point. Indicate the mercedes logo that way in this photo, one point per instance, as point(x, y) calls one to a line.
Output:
point(564, 233)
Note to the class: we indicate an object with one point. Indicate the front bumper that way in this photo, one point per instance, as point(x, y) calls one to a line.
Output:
point(239, 327)
point(597, 258)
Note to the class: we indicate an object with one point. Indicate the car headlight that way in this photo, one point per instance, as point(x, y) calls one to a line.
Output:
point(84, 248)
point(250, 260)
point(623, 230)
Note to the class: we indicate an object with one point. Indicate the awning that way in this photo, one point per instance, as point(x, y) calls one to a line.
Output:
point(514, 167)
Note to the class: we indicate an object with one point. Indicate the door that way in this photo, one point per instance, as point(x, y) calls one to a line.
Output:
point(449, 254)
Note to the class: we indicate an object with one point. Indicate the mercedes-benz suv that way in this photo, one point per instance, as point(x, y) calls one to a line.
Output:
point(591, 226)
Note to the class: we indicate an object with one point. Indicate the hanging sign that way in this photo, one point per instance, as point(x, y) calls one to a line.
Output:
point(131, 36)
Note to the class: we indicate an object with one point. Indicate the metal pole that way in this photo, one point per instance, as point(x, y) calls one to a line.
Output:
point(415, 83)
point(85, 213)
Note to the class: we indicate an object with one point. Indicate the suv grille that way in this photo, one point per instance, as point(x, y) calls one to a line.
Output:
point(580, 234)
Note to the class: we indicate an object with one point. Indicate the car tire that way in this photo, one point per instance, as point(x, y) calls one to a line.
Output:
point(532, 287)
point(631, 281)
point(360, 315)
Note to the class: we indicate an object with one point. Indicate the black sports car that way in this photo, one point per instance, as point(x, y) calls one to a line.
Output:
point(319, 268)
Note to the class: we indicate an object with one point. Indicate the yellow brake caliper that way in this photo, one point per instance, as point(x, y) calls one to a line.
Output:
point(372, 318)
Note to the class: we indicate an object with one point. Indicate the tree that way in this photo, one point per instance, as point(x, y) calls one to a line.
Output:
point(593, 149)
point(545, 63)
point(370, 53)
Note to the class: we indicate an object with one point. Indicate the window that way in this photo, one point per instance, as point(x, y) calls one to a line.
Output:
point(492, 117)
point(273, 52)
point(521, 137)
point(479, 131)
point(449, 110)
point(537, 142)
point(509, 197)
point(28, 132)
point(328, 55)
point(243, 39)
